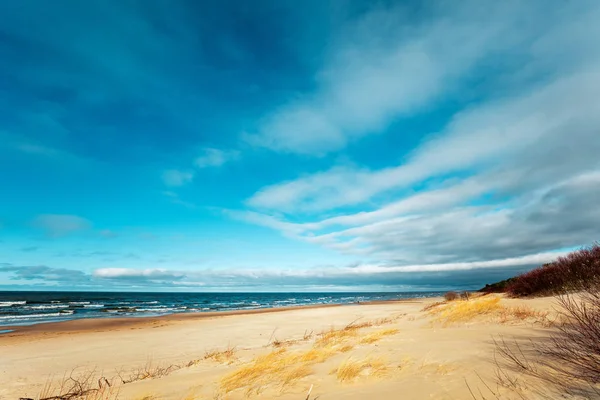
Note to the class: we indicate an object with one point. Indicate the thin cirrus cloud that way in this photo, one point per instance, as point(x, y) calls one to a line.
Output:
point(175, 177)
point(58, 225)
point(208, 158)
point(136, 274)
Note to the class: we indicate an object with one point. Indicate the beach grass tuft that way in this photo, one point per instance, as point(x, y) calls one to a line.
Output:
point(351, 369)
point(466, 310)
point(377, 335)
point(279, 366)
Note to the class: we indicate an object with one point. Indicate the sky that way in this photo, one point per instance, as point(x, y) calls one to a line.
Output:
point(339, 145)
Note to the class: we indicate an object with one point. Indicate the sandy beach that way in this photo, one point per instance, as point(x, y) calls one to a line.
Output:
point(402, 349)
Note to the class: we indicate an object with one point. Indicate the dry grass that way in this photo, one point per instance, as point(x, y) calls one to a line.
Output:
point(525, 314)
point(346, 348)
point(334, 337)
point(317, 354)
point(277, 343)
point(278, 367)
point(433, 305)
point(489, 308)
point(466, 310)
point(282, 368)
point(377, 335)
point(226, 356)
point(83, 386)
point(350, 369)
point(565, 363)
point(149, 371)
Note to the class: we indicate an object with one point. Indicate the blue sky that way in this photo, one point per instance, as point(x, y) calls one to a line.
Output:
point(344, 145)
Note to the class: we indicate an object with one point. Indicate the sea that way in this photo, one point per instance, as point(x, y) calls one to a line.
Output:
point(27, 308)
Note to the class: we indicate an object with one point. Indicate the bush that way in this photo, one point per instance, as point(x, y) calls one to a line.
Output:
point(498, 287)
point(578, 270)
point(451, 296)
point(568, 360)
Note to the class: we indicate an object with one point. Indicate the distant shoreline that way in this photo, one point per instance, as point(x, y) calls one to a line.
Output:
point(127, 322)
point(20, 309)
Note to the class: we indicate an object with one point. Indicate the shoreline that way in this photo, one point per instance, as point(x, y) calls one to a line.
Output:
point(128, 322)
point(188, 356)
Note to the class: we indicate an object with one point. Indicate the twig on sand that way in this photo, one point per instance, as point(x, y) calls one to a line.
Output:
point(309, 391)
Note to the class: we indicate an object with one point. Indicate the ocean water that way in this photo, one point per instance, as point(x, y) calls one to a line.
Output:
point(26, 308)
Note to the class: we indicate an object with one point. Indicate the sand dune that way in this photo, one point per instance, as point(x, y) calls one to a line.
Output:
point(394, 350)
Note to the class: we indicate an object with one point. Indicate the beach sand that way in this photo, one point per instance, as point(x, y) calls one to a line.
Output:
point(391, 350)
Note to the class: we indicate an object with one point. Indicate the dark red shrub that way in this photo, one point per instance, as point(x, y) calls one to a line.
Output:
point(576, 271)
point(451, 296)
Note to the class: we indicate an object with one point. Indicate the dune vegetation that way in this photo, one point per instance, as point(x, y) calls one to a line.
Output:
point(576, 271)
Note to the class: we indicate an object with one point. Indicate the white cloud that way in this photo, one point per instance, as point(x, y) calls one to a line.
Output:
point(513, 175)
point(174, 177)
point(491, 134)
point(215, 158)
point(131, 273)
point(361, 275)
point(532, 259)
point(385, 66)
point(559, 215)
point(208, 158)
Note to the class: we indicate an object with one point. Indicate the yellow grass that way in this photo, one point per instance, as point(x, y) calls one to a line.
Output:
point(466, 310)
point(316, 355)
point(350, 369)
point(339, 336)
point(293, 374)
point(433, 305)
point(333, 337)
point(192, 396)
point(282, 368)
point(277, 367)
point(345, 348)
point(524, 312)
point(489, 306)
point(378, 335)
